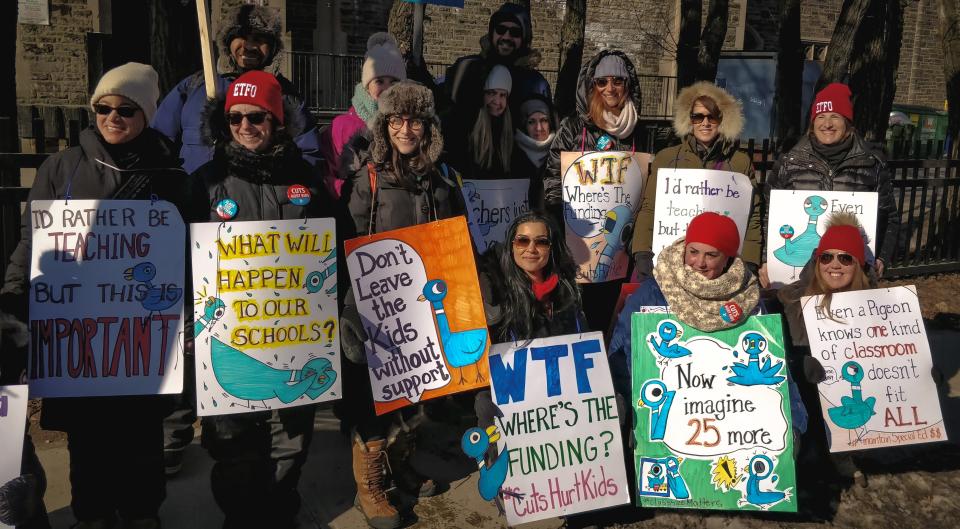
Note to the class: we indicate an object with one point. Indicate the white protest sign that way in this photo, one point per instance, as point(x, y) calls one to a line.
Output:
point(13, 421)
point(559, 447)
point(800, 218)
point(682, 194)
point(491, 207)
point(601, 194)
point(106, 298)
point(265, 313)
point(879, 390)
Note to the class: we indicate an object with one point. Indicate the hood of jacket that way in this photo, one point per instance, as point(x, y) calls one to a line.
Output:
point(405, 97)
point(732, 124)
point(585, 82)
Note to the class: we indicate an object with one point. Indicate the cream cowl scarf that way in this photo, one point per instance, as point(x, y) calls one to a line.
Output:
point(535, 150)
point(706, 304)
point(621, 126)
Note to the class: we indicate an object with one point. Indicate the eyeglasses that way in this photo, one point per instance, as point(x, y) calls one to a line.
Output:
point(697, 119)
point(396, 123)
point(522, 242)
point(503, 29)
point(844, 258)
point(601, 82)
point(105, 110)
point(255, 118)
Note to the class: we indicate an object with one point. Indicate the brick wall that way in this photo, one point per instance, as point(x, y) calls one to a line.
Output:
point(920, 73)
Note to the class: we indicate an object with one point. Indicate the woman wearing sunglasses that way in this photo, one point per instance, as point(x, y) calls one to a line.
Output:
point(258, 173)
point(708, 121)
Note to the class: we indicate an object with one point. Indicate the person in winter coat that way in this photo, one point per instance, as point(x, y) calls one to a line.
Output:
point(485, 151)
point(259, 455)
point(383, 66)
point(708, 121)
point(249, 39)
point(533, 136)
point(119, 157)
point(833, 156)
point(395, 181)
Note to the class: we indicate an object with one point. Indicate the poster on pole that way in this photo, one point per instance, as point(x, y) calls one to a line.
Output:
point(682, 194)
point(879, 390)
point(713, 415)
point(13, 422)
point(556, 430)
point(106, 298)
point(419, 301)
point(492, 205)
point(798, 219)
point(265, 314)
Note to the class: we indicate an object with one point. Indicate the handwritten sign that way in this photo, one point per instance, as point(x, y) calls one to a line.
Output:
point(491, 207)
point(559, 437)
point(879, 390)
point(601, 194)
point(800, 218)
point(419, 300)
point(265, 314)
point(713, 416)
point(106, 298)
point(13, 421)
point(682, 194)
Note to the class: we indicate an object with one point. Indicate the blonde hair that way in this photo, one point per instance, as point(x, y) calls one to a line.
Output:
point(597, 106)
point(818, 287)
point(484, 152)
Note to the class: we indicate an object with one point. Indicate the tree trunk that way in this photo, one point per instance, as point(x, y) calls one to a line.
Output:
point(571, 55)
point(174, 43)
point(789, 74)
point(688, 42)
point(8, 74)
point(950, 40)
point(841, 49)
point(400, 24)
point(711, 40)
point(873, 67)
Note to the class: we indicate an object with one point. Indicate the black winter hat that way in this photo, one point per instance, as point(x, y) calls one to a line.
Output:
point(513, 13)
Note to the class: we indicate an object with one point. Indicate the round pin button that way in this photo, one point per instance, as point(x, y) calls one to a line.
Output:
point(731, 312)
point(604, 143)
point(298, 194)
point(227, 209)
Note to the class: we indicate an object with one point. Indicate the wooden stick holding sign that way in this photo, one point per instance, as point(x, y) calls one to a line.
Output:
point(206, 50)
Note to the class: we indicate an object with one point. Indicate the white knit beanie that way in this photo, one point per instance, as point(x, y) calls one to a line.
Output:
point(499, 79)
point(383, 59)
point(134, 81)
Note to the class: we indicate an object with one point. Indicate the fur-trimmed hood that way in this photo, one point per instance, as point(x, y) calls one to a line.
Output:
point(245, 19)
point(732, 124)
point(214, 129)
point(405, 97)
point(585, 82)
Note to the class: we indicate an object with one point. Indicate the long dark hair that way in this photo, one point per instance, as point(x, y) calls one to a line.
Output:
point(520, 310)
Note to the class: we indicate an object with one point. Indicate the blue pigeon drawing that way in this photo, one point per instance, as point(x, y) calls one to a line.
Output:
point(796, 252)
point(655, 396)
point(657, 478)
point(752, 373)
point(316, 279)
point(247, 378)
point(157, 298)
point(854, 411)
point(213, 310)
point(461, 348)
point(668, 331)
point(474, 443)
point(617, 229)
point(471, 196)
point(759, 469)
point(676, 483)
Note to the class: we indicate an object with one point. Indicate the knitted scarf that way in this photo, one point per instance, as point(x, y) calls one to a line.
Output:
point(833, 153)
point(706, 304)
point(365, 105)
point(621, 126)
point(537, 151)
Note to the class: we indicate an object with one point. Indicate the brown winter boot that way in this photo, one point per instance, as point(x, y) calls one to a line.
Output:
point(369, 460)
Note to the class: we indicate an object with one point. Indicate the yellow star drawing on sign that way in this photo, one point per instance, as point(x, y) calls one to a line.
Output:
point(725, 473)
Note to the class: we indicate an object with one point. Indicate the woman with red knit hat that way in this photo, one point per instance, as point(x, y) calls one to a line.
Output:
point(833, 156)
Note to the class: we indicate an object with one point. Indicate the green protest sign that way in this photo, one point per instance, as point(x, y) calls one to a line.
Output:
point(713, 424)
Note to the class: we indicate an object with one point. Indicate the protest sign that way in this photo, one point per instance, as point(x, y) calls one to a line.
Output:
point(879, 390)
point(265, 313)
point(601, 195)
point(682, 194)
point(491, 207)
point(558, 436)
point(801, 217)
point(713, 416)
point(419, 301)
point(106, 298)
point(13, 421)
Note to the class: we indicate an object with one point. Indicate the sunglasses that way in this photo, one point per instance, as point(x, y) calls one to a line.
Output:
point(255, 118)
point(601, 82)
point(844, 258)
point(503, 29)
point(396, 123)
point(697, 119)
point(124, 112)
point(522, 242)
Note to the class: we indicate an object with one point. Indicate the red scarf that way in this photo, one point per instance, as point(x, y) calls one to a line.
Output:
point(543, 288)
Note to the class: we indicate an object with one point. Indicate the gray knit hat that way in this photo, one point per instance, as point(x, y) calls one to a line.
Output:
point(134, 81)
point(383, 59)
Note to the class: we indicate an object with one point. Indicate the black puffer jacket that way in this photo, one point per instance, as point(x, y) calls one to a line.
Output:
point(863, 169)
point(579, 133)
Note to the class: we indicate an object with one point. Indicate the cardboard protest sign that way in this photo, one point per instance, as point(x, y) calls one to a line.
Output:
point(682, 194)
point(558, 439)
point(419, 301)
point(265, 313)
point(601, 195)
point(491, 207)
point(713, 416)
point(879, 390)
point(13, 421)
point(106, 298)
point(800, 218)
